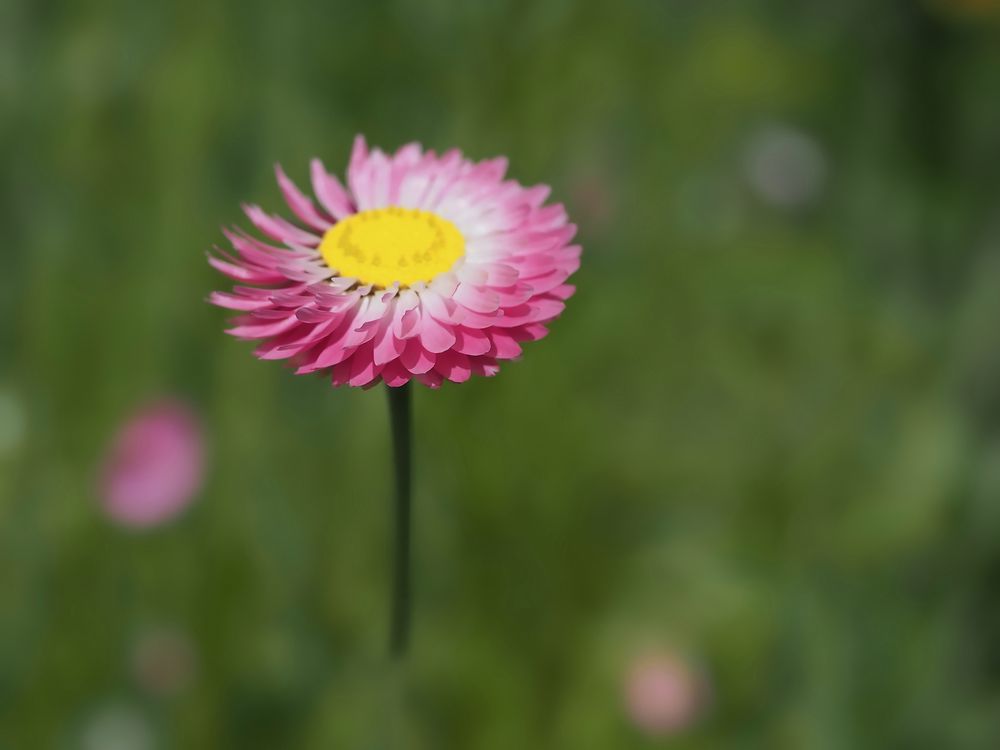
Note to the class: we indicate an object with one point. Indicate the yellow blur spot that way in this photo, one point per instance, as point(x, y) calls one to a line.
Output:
point(385, 245)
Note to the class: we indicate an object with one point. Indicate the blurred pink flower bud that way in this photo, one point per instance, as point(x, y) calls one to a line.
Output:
point(154, 467)
point(664, 693)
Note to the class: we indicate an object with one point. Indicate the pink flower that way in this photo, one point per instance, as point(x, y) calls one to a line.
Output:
point(663, 693)
point(423, 267)
point(154, 467)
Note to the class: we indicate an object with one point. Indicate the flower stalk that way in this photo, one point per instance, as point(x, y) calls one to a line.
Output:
point(400, 423)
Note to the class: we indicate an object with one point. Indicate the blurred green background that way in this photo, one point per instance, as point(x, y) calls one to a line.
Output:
point(765, 435)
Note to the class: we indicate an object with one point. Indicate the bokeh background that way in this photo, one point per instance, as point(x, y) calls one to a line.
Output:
point(746, 495)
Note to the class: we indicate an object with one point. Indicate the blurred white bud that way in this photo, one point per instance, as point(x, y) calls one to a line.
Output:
point(118, 727)
point(785, 167)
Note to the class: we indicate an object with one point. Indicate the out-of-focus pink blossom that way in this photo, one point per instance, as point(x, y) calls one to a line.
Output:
point(664, 693)
point(155, 465)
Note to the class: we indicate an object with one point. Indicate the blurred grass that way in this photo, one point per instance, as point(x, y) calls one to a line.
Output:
point(770, 435)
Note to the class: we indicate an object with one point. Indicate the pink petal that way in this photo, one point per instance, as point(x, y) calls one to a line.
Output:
point(515, 295)
point(380, 180)
point(549, 217)
point(363, 367)
point(445, 285)
point(477, 299)
point(409, 324)
point(340, 373)
point(278, 229)
point(387, 346)
point(529, 332)
point(537, 195)
point(546, 282)
point(330, 192)
point(334, 348)
point(431, 379)
point(395, 375)
point(415, 358)
point(242, 273)
point(504, 345)
point(301, 205)
point(484, 366)
point(480, 321)
point(263, 330)
point(538, 310)
point(563, 292)
point(471, 341)
point(436, 337)
point(235, 302)
point(472, 273)
point(358, 174)
point(453, 366)
point(440, 308)
point(403, 163)
point(294, 341)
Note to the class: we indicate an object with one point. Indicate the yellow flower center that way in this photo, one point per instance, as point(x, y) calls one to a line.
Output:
point(385, 245)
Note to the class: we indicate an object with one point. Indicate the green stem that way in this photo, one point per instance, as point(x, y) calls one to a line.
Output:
point(399, 418)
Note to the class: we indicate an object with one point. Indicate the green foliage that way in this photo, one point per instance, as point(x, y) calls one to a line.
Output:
point(766, 433)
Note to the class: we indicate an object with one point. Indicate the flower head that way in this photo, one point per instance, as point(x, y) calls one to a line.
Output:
point(423, 267)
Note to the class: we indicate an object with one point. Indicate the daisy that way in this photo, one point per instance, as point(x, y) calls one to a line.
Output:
point(423, 267)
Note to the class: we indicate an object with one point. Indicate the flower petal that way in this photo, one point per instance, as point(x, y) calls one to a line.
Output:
point(301, 205)
point(395, 375)
point(415, 358)
point(453, 366)
point(278, 229)
point(471, 341)
point(330, 192)
point(436, 337)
